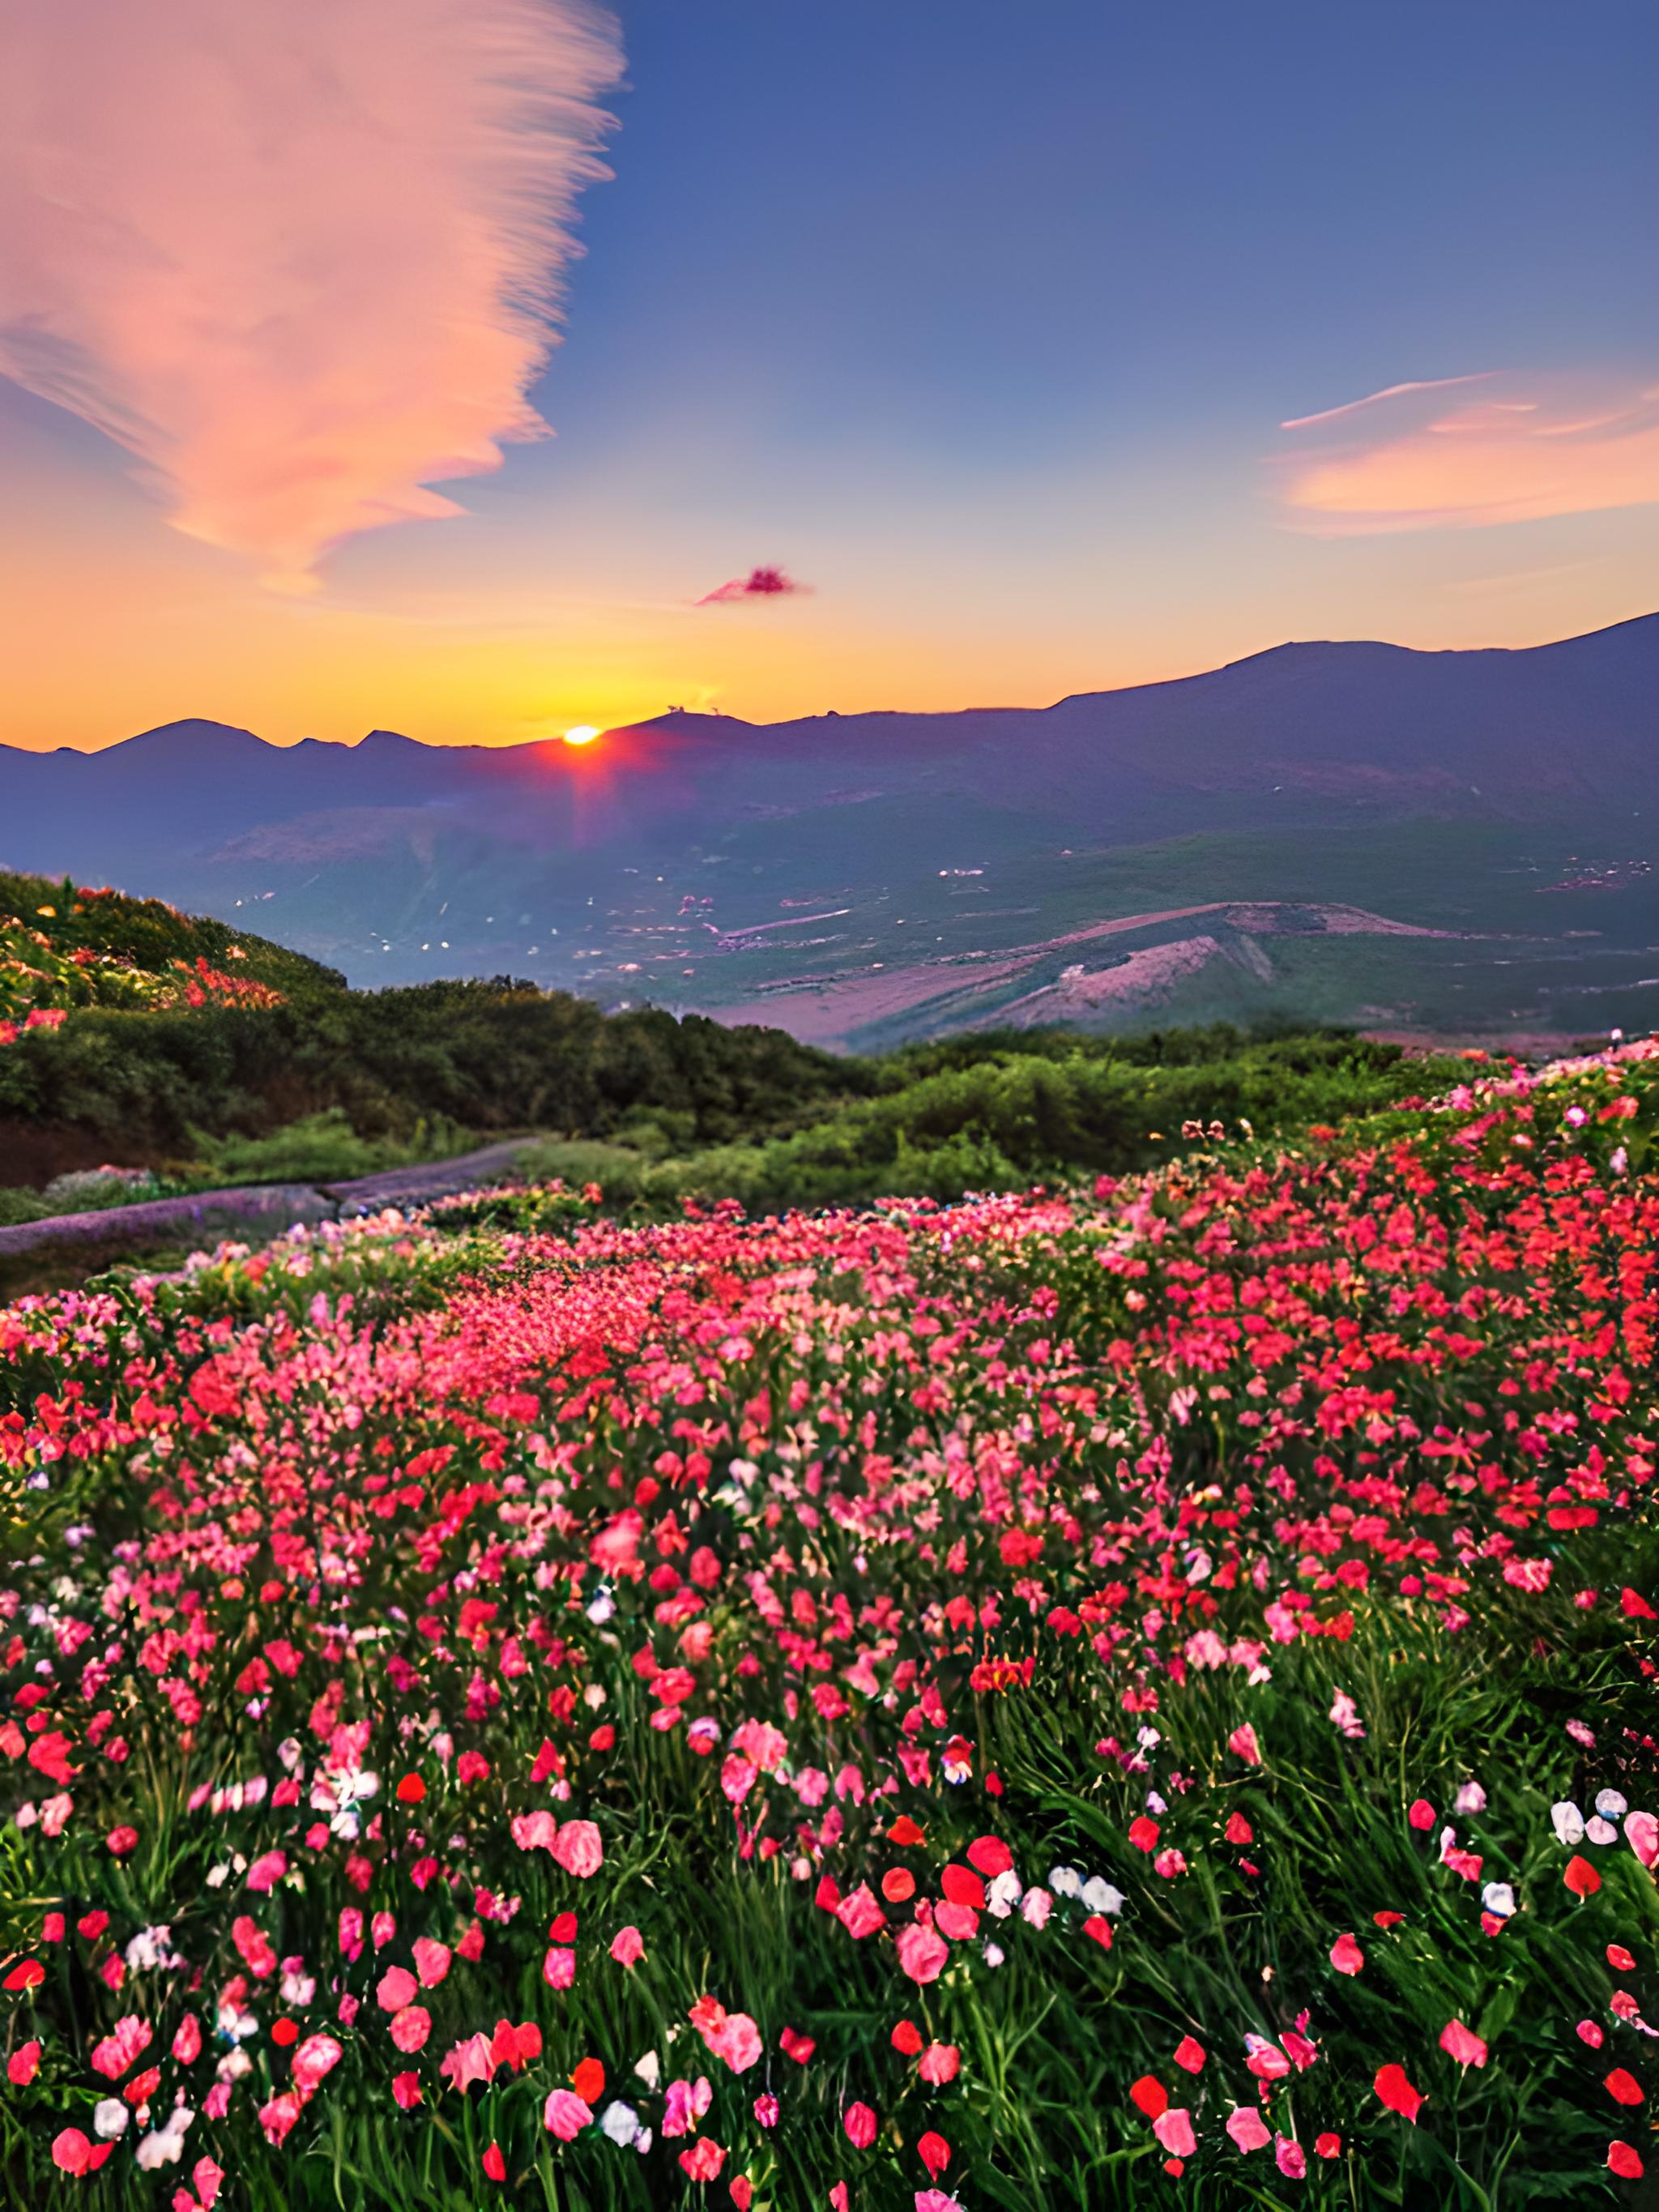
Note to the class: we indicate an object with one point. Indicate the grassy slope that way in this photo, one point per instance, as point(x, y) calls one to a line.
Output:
point(1039, 2114)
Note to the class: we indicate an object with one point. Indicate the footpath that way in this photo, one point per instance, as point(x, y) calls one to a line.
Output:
point(255, 1213)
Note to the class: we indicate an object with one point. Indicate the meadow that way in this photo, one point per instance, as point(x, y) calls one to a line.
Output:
point(1134, 1692)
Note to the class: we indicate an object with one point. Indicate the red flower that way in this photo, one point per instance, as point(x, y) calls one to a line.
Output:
point(933, 2152)
point(1581, 1877)
point(1626, 2161)
point(991, 1856)
point(588, 2081)
point(1149, 2095)
point(1624, 2088)
point(412, 1789)
point(1397, 2093)
point(494, 2164)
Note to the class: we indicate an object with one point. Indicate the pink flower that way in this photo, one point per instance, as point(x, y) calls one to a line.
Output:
point(627, 1947)
point(940, 2063)
point(1246, 2131)
point(738, 1777)
point(1174, 2129)
point(23, 2065)
point(71, 2151)
point(469, 2061)
point(731, 2036)
point(579, 1849)
point(859, 2122)
point(431, 1961)
point(406, 2088)
point(319, 2055)
point(187, 2040)
point(703, 2159)
point(1292, 2159)
point(119, 2050)
point(1243, 1741)
point(565, 2115)
point(278, 2116)
point(1458, 2043)
point(1642, 1834)
point(858, 1913)
point(1347, 1956)
point(395, 1989)
point(410, 2027)
point(684, 2105)
point(559, 1967)
point(533, 1831)
point(766, 2110)
point(921, 1953)
point(267, 1871)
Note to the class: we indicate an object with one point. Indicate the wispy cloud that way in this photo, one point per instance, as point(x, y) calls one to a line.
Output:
point(299, 258)
point(1388, 391)
point(1526, 449)
point(764, 583)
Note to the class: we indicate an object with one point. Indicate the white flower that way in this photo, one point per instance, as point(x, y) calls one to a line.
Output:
point(1471, 1798)
point(993, 1954)
point(1568, 1823)
point(620, 2122)
point(1611, 1805)
point(1498, 1899)
point(649, 2069)
point(1035, 1906)
point(601, 1606)
point(1100, 1897)
point(150, 1949)
point(165, 2146)
point(1600, 1831)
point(1065, 1881)
point(1002, 1895)
point(109, 2117)
point(216, 1875)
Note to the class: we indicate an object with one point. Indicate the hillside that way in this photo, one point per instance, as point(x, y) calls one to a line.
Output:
point(1142, 1694)
point(862, 879)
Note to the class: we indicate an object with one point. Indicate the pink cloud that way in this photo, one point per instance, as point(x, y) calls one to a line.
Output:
point(763, 583)
point(1532, 449)
point(299, 258)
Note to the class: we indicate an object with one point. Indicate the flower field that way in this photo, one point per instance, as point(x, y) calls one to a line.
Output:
point(1143, 1697)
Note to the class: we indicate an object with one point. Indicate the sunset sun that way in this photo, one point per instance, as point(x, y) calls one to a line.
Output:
point(583, 735)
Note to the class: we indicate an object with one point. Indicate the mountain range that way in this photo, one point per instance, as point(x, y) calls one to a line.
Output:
point(1332, 830)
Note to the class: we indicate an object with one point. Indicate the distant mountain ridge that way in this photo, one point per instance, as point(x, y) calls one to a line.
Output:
point(392, 858)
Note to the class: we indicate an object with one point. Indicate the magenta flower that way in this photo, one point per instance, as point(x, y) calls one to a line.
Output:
point(921, 1953)
point(565, 2115)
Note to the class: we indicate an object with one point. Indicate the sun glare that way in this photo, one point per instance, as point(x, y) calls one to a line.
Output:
point(583, 735)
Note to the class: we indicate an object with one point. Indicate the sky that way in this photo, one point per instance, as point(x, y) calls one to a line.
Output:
point(480, 368)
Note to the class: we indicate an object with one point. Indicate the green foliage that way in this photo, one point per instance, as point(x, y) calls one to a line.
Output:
point(318, 1148)
point(1000, 1112)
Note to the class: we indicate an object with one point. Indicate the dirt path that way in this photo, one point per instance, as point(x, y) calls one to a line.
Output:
point(259, 1211)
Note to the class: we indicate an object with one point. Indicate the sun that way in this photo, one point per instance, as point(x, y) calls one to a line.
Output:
point(583, 735)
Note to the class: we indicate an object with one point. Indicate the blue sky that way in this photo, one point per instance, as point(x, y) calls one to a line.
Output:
point(983, 320)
